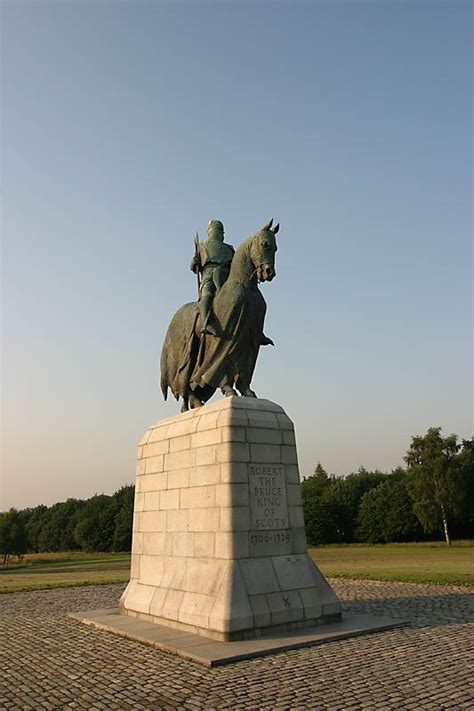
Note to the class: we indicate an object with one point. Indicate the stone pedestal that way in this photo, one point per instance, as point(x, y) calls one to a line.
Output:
point(219, 546)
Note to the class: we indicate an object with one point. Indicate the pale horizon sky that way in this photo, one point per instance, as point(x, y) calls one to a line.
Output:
point(127, 125)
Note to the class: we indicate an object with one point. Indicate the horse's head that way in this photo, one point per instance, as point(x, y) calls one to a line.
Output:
point(262, 251)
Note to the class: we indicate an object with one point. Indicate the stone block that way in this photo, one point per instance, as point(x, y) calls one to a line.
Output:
point(288, 454)
point(311, 603)
point(260, 610)
point(234, 472)
point(233, 452)
point(266, 420)
point(152, 521)
point(174, 572)
point(206, 455)
point(231, 609)
point(151, 569)
point(137, 597)
point(182, 427)
point(260, 435)
point(205, 475)
point(292, 474)
point(156, 448)
point(172, 603)
point(285, 607)
point(153, 543)
point(293, 494)
point(135, 568)
point(151, 501)
point(206, 519)
point(139, 501)
point(169, 499)
point(183, 544)
point(207, 421)
point(206, 438)
point(232, 495)
point(157, 602)
point(154, 464)
point(178, 444)
point(152, 482)
point(232, 418)
point(300, 544)
point(233, 434)
point(289, 437)
point(156, 434)
point(234, 519)
point(140, 468)
point(204, 543)
point(293, 572)
point(233, 544)
point(284, 422)
point(268, 453)
point(259, 576)
point(179, 478)
point(195, 609)
point(296, 516)
point(177, 520)
point(198, 497)
point(179, 460)
point(203, 575)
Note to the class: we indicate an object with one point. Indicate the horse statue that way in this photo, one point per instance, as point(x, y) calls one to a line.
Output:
point(194, 364)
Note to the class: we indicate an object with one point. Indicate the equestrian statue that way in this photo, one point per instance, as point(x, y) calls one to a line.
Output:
point(214, 342)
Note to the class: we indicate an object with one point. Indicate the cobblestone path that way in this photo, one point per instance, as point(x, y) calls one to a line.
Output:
point(53, 662)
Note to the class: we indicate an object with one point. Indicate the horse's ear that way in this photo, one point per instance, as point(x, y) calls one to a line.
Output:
point(268, 225)
point(276, 228)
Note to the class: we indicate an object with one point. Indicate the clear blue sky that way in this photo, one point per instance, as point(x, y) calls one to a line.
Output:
point(126, 125)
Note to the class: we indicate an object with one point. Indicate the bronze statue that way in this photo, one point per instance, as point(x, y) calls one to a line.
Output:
point(198, 359)
point(212, 261)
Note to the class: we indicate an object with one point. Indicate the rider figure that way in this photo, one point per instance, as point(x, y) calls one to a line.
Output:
point(212, 259)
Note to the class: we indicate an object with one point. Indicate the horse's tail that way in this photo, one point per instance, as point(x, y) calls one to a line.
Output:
point(164, 379)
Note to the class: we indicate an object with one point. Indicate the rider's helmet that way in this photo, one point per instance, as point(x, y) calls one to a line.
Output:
point(215, 230)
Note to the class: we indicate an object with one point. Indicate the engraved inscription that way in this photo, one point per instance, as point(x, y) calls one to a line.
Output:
point(268, 504)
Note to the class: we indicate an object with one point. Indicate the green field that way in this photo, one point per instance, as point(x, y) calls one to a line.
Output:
point(410, 562)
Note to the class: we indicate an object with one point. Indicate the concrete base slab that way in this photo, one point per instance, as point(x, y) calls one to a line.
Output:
point(214, 653)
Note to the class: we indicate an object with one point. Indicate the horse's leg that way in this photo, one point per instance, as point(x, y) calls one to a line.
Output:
point(194, 401)
point(185, 405)
point(244, 389)
point(226, 388)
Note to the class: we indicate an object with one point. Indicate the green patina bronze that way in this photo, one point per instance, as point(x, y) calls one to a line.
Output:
point(214, 342)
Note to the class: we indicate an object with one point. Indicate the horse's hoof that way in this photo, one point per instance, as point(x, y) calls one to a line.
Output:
point(230, 393)
point(250, 393)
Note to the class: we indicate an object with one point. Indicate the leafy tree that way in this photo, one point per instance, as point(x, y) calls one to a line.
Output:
point(94, 530)
point(316, 513)
point(56, 527)
point(386, 512)
point(34, 526)
point(435, 483)
point(331, 504)
point(13, 536)
point(124, 500)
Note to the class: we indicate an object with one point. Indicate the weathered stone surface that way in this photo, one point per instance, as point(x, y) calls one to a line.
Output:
point(219, 544)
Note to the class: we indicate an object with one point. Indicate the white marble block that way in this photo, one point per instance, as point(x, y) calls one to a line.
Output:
point(219, 545)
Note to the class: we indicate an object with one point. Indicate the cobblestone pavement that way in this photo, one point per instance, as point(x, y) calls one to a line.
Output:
point(54, 662)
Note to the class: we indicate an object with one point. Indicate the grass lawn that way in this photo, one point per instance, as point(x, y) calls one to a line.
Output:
point(38, 571)
point(408, 562)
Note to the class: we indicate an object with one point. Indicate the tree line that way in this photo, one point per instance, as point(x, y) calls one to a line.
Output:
point(99, 524)
point(431, 497)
